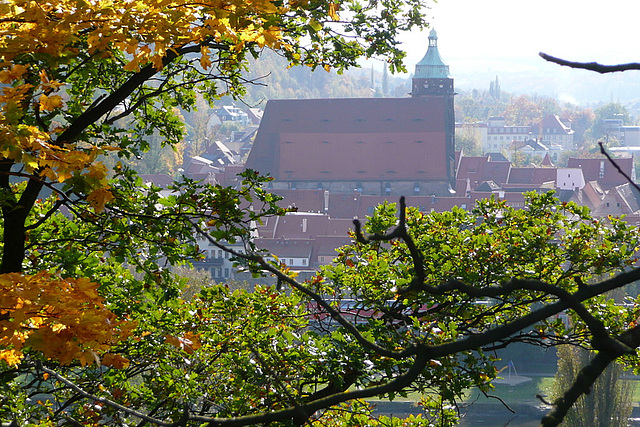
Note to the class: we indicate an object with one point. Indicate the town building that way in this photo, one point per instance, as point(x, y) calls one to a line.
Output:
point(551, 135)
point(374, 146)
point(500, 138)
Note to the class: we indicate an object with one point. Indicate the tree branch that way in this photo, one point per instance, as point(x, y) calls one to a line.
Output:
point(591, 66)
point(106, 401)
point(92, 115)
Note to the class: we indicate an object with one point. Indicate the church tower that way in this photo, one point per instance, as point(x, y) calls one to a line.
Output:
point(432, 79)
point(432, 75)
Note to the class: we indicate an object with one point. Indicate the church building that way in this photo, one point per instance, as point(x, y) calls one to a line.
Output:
point(375, 146)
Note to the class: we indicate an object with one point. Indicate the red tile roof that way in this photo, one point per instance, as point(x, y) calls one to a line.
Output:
point(354, 139)
point(480, 169)
point(289, 247)
point(327, 245)
point(603, 171)
point(303, 200)
point(532, 175)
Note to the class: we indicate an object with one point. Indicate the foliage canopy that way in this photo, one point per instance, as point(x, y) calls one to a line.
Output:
point(92, 326)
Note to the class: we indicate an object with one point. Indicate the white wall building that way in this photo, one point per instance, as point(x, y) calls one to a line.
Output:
point(570, 179)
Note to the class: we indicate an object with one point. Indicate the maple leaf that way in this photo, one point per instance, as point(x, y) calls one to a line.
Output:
point(114, 361)
point(205, 61)
point(99, 198)
point(50, 103)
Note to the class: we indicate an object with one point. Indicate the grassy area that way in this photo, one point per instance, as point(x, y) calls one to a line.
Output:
point(521, 393)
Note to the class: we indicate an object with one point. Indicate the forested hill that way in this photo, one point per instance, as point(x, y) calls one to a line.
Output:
point(273, 80)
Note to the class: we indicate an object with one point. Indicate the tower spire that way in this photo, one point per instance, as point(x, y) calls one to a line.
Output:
point(432, 74)
point(431, 65)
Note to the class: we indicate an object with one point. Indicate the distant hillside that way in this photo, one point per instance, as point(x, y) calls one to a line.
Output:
point(273, 80)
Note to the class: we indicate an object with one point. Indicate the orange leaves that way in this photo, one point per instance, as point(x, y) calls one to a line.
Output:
point(188, 343)
point(99, 198)
point(64, 319)
point(114, 361)
point(205, 61)
point(50, 103)
point(15, 72)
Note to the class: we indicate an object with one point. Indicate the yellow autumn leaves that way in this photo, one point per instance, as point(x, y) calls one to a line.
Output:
point(64, 319)
point(145, 30)
point(57, 31)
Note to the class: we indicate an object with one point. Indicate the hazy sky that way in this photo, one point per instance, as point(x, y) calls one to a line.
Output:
point(510, 30)
point(503, 37)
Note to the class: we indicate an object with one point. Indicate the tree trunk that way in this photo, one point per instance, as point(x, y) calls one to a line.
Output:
point(14, 215)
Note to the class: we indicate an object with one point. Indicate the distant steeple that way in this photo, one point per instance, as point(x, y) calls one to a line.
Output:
point(432, 66)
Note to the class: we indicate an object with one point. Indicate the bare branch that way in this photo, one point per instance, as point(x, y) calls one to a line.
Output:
point(618, 168)
point(591, 66)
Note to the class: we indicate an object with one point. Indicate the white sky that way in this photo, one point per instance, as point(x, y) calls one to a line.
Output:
point(481, 39)
point(513, 30)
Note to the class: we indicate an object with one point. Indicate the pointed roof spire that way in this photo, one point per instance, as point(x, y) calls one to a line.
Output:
point(432, 66)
